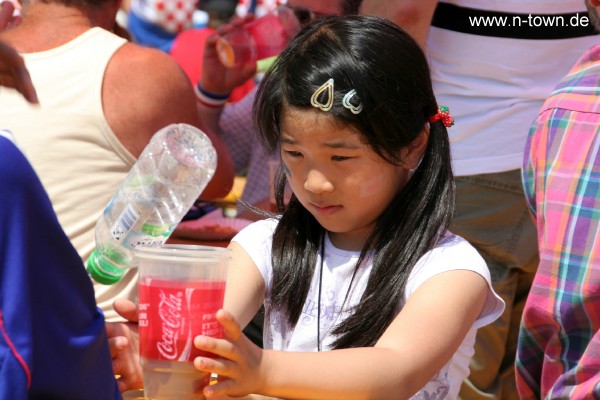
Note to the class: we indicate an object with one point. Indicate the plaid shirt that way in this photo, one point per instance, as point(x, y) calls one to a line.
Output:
point(559, 343)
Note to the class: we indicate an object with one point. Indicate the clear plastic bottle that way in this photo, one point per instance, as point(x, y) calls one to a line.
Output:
point(167, 178)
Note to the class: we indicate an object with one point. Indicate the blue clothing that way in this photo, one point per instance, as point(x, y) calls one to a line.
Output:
point(53, 342)
point(148, 34)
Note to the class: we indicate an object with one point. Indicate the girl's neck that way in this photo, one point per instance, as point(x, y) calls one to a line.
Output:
point(354, 241)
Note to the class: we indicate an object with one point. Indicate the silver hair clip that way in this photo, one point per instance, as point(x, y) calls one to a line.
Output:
point(314, 100)
point(346, 103)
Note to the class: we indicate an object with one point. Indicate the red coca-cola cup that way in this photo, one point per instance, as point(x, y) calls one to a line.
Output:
point(262, 38)
point(181, 287)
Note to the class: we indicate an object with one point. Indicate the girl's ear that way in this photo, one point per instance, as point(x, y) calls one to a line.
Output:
point(412, 154)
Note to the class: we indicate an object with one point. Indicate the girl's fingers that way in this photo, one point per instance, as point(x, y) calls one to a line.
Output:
point(221, 388)
point(218, 366)
point(231, 327)
point(219, 347)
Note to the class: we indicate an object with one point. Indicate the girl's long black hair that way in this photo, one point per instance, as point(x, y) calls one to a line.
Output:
point(391, 77)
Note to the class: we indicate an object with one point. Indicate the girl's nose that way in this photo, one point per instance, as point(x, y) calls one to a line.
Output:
point(317, 182)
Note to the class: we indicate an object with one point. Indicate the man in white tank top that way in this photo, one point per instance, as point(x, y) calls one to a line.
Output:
point(101, 99)
point(494, 63)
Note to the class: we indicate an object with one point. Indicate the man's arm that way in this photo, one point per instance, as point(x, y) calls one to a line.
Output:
point(144, 90)
point(219, 80)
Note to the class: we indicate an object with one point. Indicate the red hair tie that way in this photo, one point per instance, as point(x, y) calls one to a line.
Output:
point(443, 114)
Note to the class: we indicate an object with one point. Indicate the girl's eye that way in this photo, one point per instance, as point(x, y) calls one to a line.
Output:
point(339, 158)
point(293, 153)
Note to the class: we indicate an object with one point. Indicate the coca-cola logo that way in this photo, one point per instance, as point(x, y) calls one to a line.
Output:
point(170, 311)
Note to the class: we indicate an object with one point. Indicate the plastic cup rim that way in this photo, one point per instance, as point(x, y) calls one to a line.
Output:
point(183, 252)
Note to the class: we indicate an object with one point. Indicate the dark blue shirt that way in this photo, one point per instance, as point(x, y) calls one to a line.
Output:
point(53, 342)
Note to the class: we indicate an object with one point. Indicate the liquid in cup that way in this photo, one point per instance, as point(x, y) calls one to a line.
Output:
point(180, 290)
point(262, 38)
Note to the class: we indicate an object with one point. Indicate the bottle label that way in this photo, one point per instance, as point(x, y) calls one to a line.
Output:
point(172, 313)
point(124, 223)
point(150, 235)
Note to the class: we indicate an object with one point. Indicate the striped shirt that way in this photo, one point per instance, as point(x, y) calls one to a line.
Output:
point(558, 352)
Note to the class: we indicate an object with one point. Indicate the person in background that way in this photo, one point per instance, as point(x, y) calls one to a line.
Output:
point(188, 52)
point(558, 353)
point(359, 264)
point(179, 28)
point(53, 343)
point(62, 330)
point(496, 78)
point(257, 7)
point(101, 99)
point(156, 23)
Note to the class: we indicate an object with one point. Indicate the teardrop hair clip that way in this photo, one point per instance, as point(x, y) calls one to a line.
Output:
point(326, 88)
point(443, 114)
point(355, 109)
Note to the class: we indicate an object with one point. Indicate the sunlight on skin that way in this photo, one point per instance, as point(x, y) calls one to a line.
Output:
point(368, 186)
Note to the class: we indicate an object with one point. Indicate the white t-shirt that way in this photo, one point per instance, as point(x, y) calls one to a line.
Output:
point(70, 144)
point(451, 254)
point(495, 86)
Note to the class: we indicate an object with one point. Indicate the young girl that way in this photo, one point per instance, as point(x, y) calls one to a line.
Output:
point(366, 294)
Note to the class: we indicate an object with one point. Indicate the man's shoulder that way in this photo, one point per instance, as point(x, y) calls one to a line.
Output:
point(148, 60)
point(144, 90)
point(149, 73)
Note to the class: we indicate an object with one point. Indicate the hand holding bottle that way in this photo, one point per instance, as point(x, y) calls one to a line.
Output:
point(262, 38)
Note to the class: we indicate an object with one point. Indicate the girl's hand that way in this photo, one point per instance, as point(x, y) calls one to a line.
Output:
point(124, 346)
point(238, 362)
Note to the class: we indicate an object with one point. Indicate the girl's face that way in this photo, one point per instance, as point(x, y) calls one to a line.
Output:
point(342, 182)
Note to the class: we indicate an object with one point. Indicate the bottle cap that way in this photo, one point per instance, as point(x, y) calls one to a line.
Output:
point(103, 270)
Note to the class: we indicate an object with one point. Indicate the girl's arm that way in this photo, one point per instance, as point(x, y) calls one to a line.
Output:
point(418, 343)
point(245, 290)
